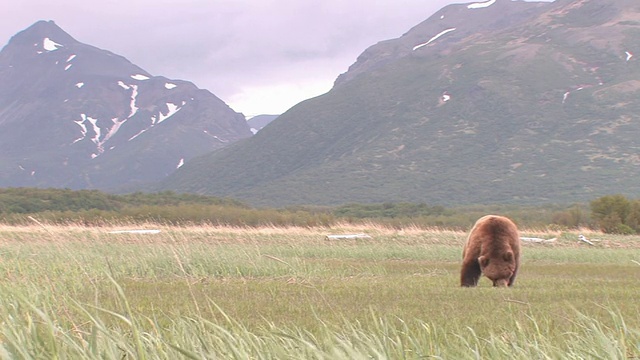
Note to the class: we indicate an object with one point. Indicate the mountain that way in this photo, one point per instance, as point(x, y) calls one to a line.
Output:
point(494, 102)
point(257, 122)
point(75, 116)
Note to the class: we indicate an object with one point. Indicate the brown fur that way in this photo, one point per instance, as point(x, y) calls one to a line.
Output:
point(492, 249)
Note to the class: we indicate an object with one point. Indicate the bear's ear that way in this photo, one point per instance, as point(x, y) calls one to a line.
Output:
point(508, 256)
point(483, 261)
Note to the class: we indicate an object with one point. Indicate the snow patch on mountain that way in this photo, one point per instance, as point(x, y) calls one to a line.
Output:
point(114, 129)
point(579, 88)
point(434, 38)
point(50, 45)
point(71, 57)
point(93, 122)
point(139, 77)
point(139, 133)
point(96, 130)
point(481, 5)
point(132, 104)
point(33, 172)
point(173, 108)
point(117, 123)
point(215, 136)
point(83, 127)
point(170, 86)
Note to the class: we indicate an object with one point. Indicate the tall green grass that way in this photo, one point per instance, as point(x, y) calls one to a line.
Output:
point(289, 293)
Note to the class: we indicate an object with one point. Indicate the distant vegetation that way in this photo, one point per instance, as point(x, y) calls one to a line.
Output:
point(611, 214)
point(31, 200)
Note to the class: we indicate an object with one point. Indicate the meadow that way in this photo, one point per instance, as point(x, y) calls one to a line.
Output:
point(217, 292)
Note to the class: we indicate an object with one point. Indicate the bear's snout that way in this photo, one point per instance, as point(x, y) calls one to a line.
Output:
point(501, 283)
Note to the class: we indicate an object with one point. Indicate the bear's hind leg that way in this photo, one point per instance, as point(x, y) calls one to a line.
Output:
point(470, 273)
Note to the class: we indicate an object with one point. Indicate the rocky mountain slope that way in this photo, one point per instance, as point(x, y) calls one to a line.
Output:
point(75, 116)
point(488, 102)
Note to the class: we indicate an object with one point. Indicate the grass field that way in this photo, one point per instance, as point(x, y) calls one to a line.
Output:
point(290, 293)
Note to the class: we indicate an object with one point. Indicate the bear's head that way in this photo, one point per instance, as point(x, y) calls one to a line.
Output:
point(498, 269)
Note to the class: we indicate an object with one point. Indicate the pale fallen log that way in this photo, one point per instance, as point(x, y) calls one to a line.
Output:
point(134, 232)
point(348, 236)
point(537, 240)
point(584, 239)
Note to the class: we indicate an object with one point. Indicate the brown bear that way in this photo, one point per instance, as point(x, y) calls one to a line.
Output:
point(492, 249)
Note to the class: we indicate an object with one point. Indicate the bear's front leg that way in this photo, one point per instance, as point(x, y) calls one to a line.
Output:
point(470, 273)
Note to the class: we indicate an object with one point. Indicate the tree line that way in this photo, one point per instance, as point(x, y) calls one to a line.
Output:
point(611, 213)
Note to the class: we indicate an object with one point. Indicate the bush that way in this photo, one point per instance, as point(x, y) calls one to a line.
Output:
point(615, 214)
point(623, 229)
point(571, 218)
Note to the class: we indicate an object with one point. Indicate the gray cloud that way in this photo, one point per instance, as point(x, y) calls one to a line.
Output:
point(259, 56)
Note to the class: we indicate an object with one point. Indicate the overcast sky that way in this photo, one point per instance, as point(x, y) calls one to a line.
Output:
point(258, 56)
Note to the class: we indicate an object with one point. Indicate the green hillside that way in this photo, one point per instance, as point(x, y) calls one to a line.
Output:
point(545, 110)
